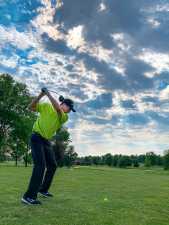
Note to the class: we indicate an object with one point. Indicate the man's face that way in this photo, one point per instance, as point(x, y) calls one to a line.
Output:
point(65, 108)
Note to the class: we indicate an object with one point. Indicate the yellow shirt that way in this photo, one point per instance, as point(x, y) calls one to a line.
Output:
point(49, 120)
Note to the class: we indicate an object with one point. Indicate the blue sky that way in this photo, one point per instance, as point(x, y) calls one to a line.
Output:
point(110, 56)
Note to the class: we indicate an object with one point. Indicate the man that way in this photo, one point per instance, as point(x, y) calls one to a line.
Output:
point(52, 116)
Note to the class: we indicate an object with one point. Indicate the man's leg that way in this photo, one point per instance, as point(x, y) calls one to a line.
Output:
point(38, 155)
point(51, 166)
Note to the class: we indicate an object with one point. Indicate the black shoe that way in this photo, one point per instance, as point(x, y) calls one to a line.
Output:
point(45, 194)
point(30, 201)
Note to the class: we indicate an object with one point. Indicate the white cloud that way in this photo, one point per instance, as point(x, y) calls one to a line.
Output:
point(159, 61)
point(18, 39)
point(164, 94)
point(75, 37)
point(102, 7)
point(10, 62)
point(153, 22)
point(162, 7)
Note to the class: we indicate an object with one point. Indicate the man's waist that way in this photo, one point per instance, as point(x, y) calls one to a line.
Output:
point(39, 135)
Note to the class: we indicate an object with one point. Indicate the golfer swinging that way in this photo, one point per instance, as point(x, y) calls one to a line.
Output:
point(52, 116)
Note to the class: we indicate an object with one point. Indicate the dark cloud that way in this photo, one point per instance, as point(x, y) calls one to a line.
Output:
point(69, 67)
point(133, 81)
point(154, 100)
point(162, 77)
point(100, 121)
point(160, 119)
point(76, 12)
point(77, 90)
point(102, 101)
point(74, 76)
point(117, 17)
point(128, 104)
point(136, 119)
point(130, 17)
point(115, 119)
point(107, 78)
point(155, 38)
point(58, 46)
point(137, 81)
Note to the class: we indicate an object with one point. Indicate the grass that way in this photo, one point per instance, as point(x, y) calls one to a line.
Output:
point(88, 196)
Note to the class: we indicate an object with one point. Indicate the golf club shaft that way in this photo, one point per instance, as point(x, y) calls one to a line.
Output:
point(53, 91)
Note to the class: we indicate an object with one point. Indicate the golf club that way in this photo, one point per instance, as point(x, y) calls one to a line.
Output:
point(44, 89)
point(61, 98)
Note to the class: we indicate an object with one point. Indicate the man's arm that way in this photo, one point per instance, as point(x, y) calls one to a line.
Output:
point(33, 104)
point(54, 103)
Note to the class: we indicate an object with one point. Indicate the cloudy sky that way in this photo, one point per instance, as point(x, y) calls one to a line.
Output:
point(110, 56)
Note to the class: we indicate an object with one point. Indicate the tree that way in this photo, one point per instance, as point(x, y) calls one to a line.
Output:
point(64, 153)
point(60, 143)
point(96, 160)
point(159, 160)
point(124, 161)
point(87, 160)
point(135, 160)
point(166, 160)
point(141, 159)
point(136, 163)
point(150, 159)
point(27, 158)
point(70, 156)
point(15, 118)
point(108, 159)
point(147, 162)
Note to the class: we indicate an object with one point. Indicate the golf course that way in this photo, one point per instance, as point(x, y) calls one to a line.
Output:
point(88, 196)
point(84, 112)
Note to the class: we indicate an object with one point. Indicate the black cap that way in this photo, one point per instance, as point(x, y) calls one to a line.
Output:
point(68, 102)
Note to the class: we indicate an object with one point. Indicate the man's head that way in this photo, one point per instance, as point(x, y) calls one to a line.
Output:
point(67, 105)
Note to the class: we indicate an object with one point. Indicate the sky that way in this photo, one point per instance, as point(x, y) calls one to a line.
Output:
point(110, 56)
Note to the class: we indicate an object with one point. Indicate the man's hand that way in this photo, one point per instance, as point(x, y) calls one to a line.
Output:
point(45, 91)
point(52, 100)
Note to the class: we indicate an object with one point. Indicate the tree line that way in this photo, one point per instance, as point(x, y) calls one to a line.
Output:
point(123, 161)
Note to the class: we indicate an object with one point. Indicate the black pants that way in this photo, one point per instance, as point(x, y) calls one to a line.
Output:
point(43, 158)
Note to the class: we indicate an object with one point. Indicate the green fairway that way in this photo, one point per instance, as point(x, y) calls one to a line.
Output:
point(88, 196)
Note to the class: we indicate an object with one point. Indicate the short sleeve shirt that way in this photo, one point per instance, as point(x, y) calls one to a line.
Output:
point(49, 120)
